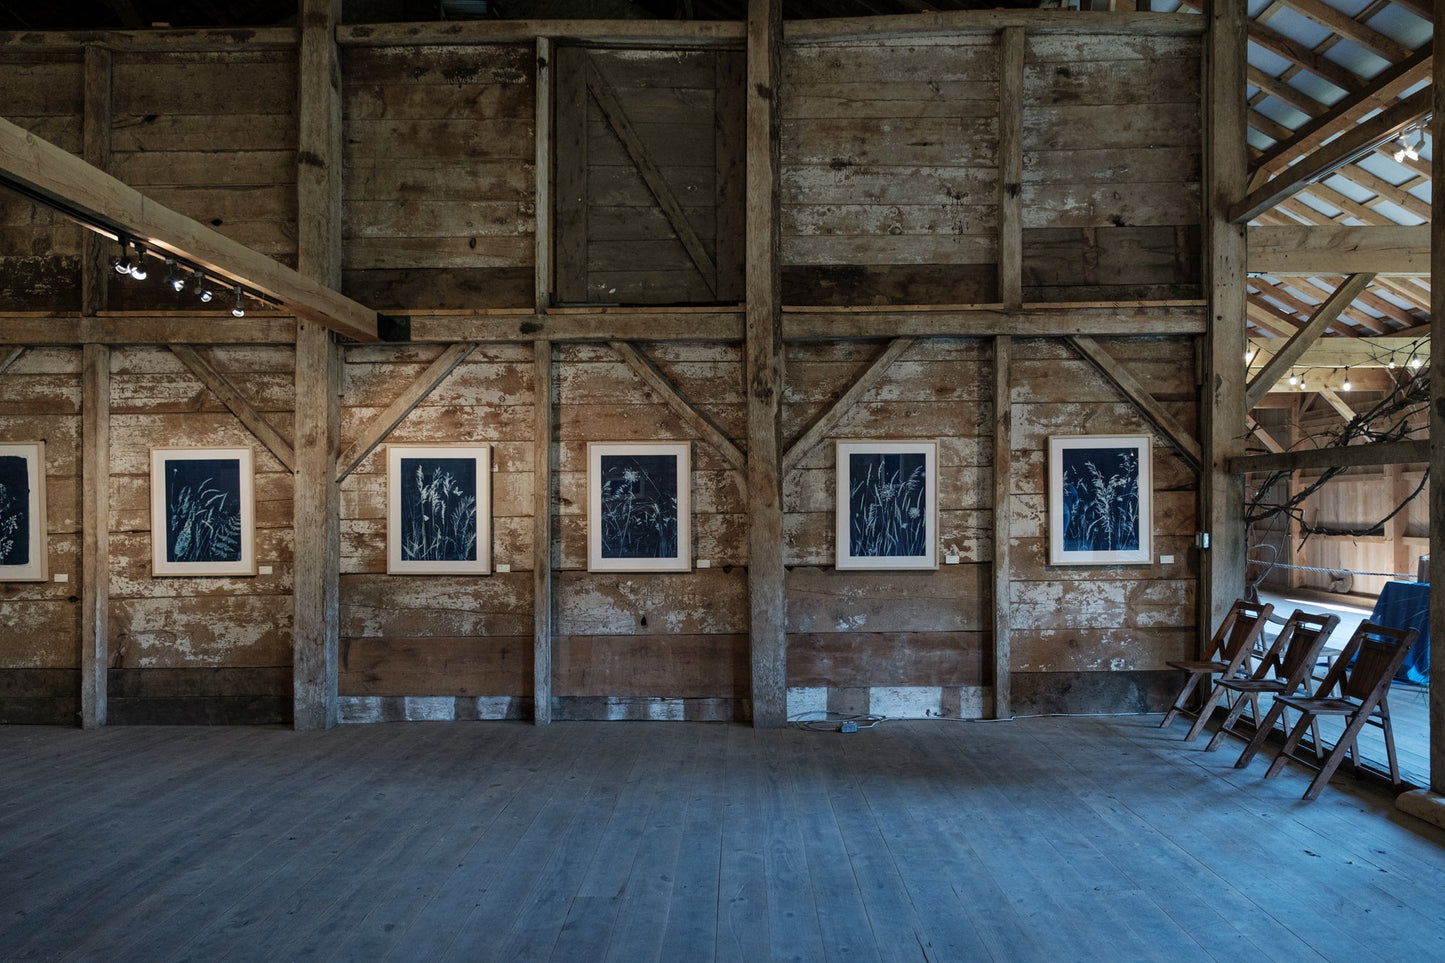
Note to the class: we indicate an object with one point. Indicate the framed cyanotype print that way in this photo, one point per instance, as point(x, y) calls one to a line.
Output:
point(887, 504)
point(202, 512)
point(1099, 499)
point(23, 532)
point(438, 514)
point(639, 507)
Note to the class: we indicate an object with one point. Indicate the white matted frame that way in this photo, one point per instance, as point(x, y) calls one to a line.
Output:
point(24, 535)
point(202, 511)
point(639, 507)
point(886, 514)
point(1100, 498)
point(438, 510)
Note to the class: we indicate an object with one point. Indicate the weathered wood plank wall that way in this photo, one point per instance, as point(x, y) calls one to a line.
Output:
point(1111, 168)
point(440, 176)
point(192, 649)
point(890, 196)
point(1099, 635)
point(890, 176)
point(39, 249)
point(894, 643)
point(40, 621)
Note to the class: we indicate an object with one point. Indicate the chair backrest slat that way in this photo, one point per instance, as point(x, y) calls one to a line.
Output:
point(1367, 664)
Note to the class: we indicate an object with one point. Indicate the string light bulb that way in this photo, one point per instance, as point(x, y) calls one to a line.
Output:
point(1293, 379)
point(1347, 386)
point(1415, 362)
point(238, 311)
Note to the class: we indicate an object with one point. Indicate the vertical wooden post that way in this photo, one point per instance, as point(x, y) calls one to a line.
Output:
point(1437, 433)
point(1011, 167)
point(543, 258)
point(766, 590)
point(94, 270)
point(1002, 557)
point(1223, 405)
point(317, 590)
point(542, 475)
point(95, 540)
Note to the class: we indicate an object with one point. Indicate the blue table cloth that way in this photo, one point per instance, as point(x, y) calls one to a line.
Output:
point(1406, 605)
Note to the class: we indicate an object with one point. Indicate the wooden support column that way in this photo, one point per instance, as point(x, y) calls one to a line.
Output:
point(1223, 407)
point(542, 287)
point(1002, 558)
point(764, 352)
point(543, 465)
point(1437, 450)
point(94, 270)
point(95, 539)
point(317, 591)
point(1011, 167)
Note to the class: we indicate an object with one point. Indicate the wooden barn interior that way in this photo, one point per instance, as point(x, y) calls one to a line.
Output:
point(756, 231)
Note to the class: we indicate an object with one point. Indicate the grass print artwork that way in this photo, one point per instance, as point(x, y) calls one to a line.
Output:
point(23, 529)
point(639, 506)
point(639, 513)
point(14, 511)
point(438, 500)
point(201, 512)
point(1099, 500)
point(438, 509)
point(887, 511)
point(886, 504)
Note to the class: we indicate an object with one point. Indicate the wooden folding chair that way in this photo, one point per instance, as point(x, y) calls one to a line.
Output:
point(1362, 674)
point(1284, 670)
point(1228, 656)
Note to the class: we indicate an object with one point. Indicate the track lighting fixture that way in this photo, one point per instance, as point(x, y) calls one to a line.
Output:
point(203, 287)
point(1411, 139)
point(122, 264)
point(138, 269)
point(238, 311)
point(176, 282)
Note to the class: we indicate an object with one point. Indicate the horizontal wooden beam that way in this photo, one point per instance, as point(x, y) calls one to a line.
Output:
point(188, 40)
point(1055, 321)
point(1307, 251)
point(1344, 352)
point(470, 32)
point(626, 324)
point(123, 329)
point(58, 179)
point(943, 22)
point(1351, 456)
point(1349, 146)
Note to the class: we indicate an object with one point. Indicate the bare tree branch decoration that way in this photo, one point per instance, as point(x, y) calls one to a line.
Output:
point(1395, 417)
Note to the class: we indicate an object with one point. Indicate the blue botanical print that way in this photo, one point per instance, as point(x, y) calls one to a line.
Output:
point(887, 504)
point(639, 506)
point(438, 509)
point(14, 510)
point(1101, 499)
point(203, 510)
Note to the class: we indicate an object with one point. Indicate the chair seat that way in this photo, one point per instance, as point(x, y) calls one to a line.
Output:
point(1208, 666)
point(1253, 685)
point(1322, 707)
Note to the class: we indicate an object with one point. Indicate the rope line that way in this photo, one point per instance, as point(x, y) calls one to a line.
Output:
point(1409, 576)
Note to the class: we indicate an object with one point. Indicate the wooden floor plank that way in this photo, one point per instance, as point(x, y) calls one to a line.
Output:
point(1037, 839)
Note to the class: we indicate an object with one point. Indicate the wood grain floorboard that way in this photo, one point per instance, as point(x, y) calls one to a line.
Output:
point(1039, 839)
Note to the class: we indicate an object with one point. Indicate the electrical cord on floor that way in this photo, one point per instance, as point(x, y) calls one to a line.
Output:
point(821, 721)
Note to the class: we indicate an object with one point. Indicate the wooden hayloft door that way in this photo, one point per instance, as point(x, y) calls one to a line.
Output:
point(649, 167)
